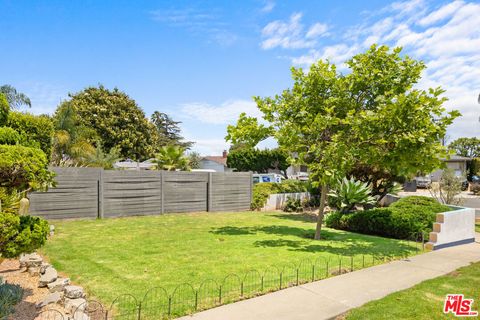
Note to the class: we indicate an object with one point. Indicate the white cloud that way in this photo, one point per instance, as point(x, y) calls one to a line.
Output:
point(226, 113)
point(441, 14)
point(45, 97)
point(290, 34)
point(268, 7)
point(316, 30)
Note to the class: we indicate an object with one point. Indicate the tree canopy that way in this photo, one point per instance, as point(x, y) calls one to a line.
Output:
point(15, 99)
point(371, 118)
point(466, 147)
point(168, 130)
point(247, 132)
point(256, 160)
point(114, 118)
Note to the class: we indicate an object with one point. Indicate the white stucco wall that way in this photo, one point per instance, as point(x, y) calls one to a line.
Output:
point(453, 227)
point(277, 200)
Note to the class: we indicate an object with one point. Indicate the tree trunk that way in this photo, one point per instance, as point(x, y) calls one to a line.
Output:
point(323, 197)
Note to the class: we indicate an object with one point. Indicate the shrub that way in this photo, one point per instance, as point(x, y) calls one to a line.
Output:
point(36, 128)
point(4, 109)
point(10, 295)
point(292, 205)
point(21, 234)
point(349, 193)
point(23, 168)
point(10, 136)
point(403, 219)
point(261, 191)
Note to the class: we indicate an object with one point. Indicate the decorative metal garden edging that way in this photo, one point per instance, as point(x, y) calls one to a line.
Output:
point(158, 303)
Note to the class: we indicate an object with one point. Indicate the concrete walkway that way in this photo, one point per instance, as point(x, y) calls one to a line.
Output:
point(331, 297)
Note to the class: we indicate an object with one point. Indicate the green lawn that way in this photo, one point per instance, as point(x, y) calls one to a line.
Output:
point(477, 227)
point(425, 300)
point(131, 255)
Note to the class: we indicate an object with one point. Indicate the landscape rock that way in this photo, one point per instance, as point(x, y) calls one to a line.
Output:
point(49, 276)
point(51, 298)
point(58, 285)
point(33, 271)
point(74, 292)
point(30, 260)
point(79, 315)
point(44, 267)
point(75, 305)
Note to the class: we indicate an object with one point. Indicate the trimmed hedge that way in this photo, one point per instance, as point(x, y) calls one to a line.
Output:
point(36, 128)
point(10, 136)
point(401, 220)
point(21, 234)
point(261, 191)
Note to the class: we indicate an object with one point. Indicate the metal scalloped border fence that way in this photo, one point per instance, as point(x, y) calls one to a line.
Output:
point(158, 303)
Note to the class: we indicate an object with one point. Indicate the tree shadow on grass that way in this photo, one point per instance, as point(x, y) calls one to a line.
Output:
point(303, 217)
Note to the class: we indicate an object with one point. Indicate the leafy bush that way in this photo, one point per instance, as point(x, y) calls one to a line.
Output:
point(24, 168)
point(261, 191)
point(349, 193)
point(10, 295)
point(36, 128)
point(21, 234)
point(4, 109)
point(401, 220)
point(10, 136)
point(292, 205)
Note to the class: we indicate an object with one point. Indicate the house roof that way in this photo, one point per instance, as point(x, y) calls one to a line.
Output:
point(218, 159)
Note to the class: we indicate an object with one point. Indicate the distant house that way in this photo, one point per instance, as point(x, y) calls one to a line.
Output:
point(217, 163)
point(457, 163)
point(130, 164)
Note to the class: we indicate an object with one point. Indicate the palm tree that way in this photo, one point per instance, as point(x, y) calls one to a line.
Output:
point(171, 158)
point(15, 99)
point(102, 159)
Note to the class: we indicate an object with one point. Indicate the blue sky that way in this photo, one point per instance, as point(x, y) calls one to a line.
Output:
point(201, 62)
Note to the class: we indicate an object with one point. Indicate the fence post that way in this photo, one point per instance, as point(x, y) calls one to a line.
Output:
point(241, 289)
point(209, 191)
point(297, 276)
point(262, 284)
point(162, 193)
point(169, 306)
point(139, 310)
point(313, 272)
point(351, 263)
point(100, 213)
point(363, 261)
point(196, 300)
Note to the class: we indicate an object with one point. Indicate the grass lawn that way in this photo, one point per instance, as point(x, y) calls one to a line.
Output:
point(131, 255)
point(425, 300)
point(477, 227)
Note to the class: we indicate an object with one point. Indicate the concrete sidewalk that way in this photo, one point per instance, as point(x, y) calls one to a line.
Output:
point(331, 297)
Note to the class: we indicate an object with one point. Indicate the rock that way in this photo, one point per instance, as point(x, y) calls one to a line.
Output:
point(79, 315)
point(51, 298)
point(52, 230)
point(75, 305)
point(44, 267)
point(33, 271)
point(49, 276)
point(58, 285)
point(73, 292)
point(24, 205)
point(30, 260)
point(2, 281)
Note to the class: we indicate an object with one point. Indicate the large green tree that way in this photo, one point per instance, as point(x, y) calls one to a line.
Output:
point(168, 130)
point(466, 147)
point(260, 161)
point(116, 120)
point(371, 117)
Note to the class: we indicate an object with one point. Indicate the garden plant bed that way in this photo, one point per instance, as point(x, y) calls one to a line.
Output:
point(132, 255)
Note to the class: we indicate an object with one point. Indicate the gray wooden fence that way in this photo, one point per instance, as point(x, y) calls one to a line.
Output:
point(94, 192)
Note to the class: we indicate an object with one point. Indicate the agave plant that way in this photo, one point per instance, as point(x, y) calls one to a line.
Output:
point(348, 193)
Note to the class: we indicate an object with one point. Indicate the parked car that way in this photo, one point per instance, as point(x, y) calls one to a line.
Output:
point(267, 177)
point(423, 181)
point(475, 185)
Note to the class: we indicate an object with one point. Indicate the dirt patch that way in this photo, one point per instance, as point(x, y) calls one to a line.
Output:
point(453, 274)
point(26, 309)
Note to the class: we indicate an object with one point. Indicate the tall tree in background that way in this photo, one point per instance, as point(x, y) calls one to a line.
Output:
point(15, 99)
point(168, 130)
point(115, 119)
point(194, 160)
point(466, 147)
point(371, 118)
